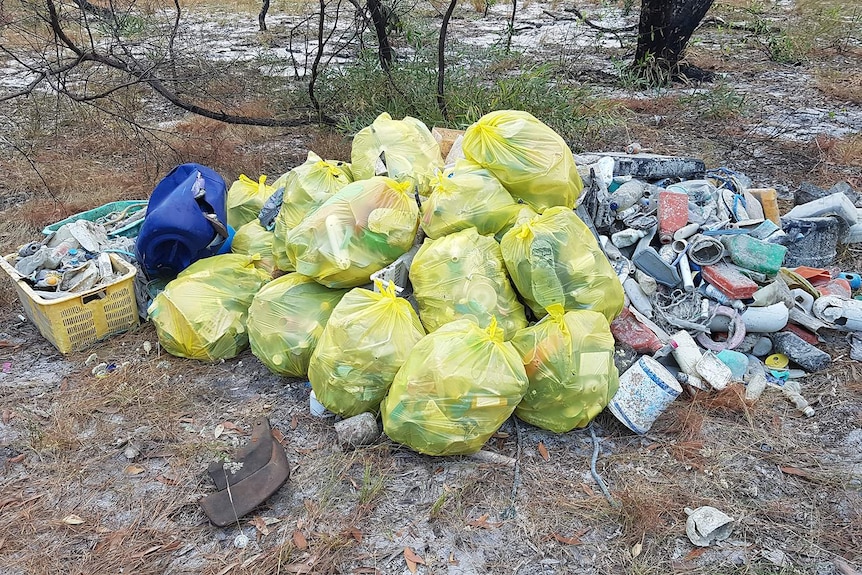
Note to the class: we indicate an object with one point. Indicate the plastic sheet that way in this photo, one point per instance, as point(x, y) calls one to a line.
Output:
point(466, 196)
point(361, 229)
point(253, 238)
point(462, 276)
point(202, 313)
point(368, 337)
point(569, 359)
point(286, 320)
point(304, 189)
point(399, 149)
point(245, 198)
point(456, 389)
point(554, 258)
point(531, 160)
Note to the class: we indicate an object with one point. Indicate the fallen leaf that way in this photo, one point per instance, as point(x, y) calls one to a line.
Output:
point(134, 469)
point(230, 426)
point(636, 549)
point(482, 522)
point(72, 520)
point(695, 553)
point(145, 552)
point(7, 416)
point(219, 429)
point(173, 545)
point(355, 533)
point(588, 490)
point(500, 434)
point(408, 552)
point(228, 568)
point(260, 525)
point(2, 542)
point(574, 540)
point(294, 422)
point(17, 459)
point(278, 435)
point(795, 471)
point(167, 480)
point(299, 540)
point(412, 559)
point(301, 568)
point(543, 451)
point(452, 560)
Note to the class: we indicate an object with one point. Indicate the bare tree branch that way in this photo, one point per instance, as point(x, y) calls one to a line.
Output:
point(441, 60)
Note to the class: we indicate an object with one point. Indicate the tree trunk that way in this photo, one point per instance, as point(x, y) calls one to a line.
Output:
point(665, 28)
point(261, 17)
point(384, 49)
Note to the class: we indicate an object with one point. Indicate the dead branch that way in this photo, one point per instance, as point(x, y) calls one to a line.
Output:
point(580, 16)
point(441, 60)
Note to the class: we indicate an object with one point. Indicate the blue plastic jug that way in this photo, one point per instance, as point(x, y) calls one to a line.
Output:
point(176, 230)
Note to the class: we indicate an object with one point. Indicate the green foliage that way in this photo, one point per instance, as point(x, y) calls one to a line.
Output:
point(722, 102)
point(357, 93)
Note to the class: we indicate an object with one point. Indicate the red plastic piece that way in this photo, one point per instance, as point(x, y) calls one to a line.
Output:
point(837, 286)
point(672, 214)
point(802, 332)
point(814, 275)
point(729, 281)
point(628, 330)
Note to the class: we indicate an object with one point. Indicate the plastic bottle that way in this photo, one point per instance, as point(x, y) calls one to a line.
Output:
point(756, 379)
point(627, 195)
point(637, 297)
point(768, 199)
point(627, 237)
point(792, 391)
point(48, 279)
point(687, 354)
point(713, 293)
point(835, 204)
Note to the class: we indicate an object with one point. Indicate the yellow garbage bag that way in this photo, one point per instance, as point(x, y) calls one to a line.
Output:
point(524, 214)
point(462, 276)
point(251, 239)
point(305, 188)
point(530, 159)
point(456, 389)
point(368, 337)
point(202, 313)
point(400, 149)
point(464, 196)
point(245, 198)
point(358, 231)
point(569, 359)
point(286, 320)
point(554, 258)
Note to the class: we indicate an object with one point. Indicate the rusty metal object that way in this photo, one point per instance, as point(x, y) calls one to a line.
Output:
point(253, 456)
point(237, 499)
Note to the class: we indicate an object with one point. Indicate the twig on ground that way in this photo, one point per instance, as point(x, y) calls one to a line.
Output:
point(596, 477)
point(510, 512)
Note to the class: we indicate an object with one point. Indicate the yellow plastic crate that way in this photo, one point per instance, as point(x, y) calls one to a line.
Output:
point(75, 322)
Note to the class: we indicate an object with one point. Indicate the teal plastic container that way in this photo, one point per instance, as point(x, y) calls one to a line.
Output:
point(123, 209)
point(755, 255)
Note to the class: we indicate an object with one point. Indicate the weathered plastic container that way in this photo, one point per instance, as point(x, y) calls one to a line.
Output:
point(768, 199)
point(672, 214)
point(729, 281)
point(126, 207)
point(646, 389)
point(756, 255)
point(175, 231)
point(812, 241)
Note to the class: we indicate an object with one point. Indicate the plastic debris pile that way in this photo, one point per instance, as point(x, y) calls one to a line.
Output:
point(720, 287)
point(73, 259)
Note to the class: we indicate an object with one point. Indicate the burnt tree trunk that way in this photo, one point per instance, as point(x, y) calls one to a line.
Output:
point(664, 29)
point(378, 18)
point(261, 17)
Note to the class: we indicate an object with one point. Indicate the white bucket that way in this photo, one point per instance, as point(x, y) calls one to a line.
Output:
point(646, 389)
